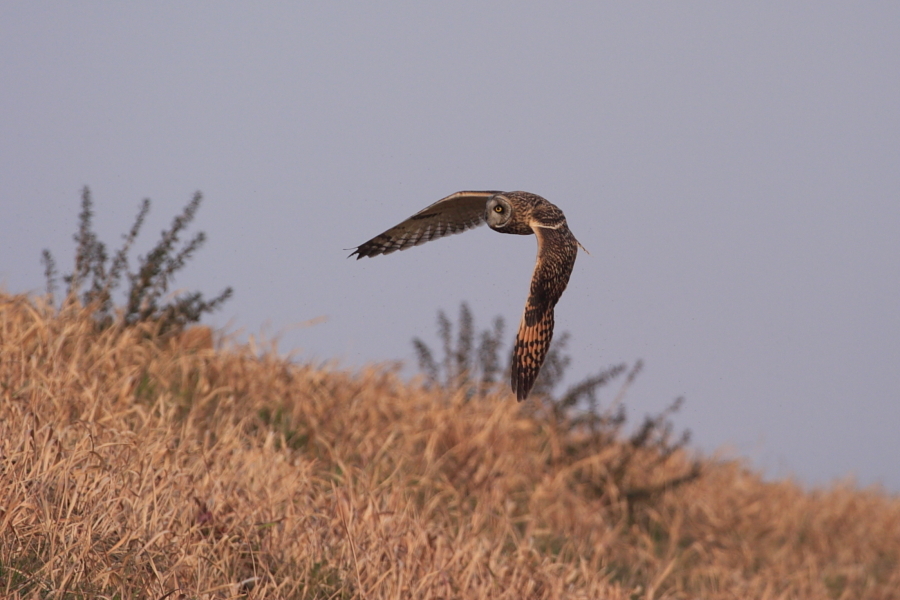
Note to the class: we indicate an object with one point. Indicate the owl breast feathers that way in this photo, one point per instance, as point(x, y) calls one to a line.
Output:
point(520, 213)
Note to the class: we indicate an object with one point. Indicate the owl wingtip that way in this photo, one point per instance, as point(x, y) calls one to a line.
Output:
point(520, 389)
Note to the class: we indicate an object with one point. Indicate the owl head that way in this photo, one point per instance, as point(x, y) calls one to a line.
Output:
point(499, 212)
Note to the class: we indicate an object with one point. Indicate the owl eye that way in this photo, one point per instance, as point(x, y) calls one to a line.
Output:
point(498, 209)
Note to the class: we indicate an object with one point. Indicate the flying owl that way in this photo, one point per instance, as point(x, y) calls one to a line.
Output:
point(521, 213)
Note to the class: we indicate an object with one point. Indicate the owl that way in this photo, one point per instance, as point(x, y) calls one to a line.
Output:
point(520, 213)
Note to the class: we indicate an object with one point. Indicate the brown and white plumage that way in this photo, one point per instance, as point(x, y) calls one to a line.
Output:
point(519, 213)
point(453, 214)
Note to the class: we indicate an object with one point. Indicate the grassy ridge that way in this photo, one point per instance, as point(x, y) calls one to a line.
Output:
point(131, 467)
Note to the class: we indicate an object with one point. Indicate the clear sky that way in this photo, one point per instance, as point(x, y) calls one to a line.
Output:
point(733, 168)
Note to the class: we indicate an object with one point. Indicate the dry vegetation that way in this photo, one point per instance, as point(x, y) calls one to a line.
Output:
point(135, 468)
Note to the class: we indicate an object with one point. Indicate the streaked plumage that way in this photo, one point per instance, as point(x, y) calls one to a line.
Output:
point(519, 213)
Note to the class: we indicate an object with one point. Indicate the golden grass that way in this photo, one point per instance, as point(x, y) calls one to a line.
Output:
point(131, 468)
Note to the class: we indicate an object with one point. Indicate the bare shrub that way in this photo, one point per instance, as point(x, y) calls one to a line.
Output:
point(471, 365)
point(95, 278)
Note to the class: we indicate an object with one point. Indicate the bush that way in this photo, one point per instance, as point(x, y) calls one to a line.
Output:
point(583, 420)
point(146, 300)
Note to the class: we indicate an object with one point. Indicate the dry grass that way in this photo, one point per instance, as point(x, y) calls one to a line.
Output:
point(135, 469)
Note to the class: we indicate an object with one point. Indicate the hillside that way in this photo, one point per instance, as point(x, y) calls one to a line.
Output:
point(137, 468)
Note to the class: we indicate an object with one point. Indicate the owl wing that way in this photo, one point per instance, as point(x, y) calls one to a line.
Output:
point(453, 214)
point(557, 249)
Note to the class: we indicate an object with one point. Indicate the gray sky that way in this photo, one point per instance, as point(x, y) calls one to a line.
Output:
point(734, 171)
